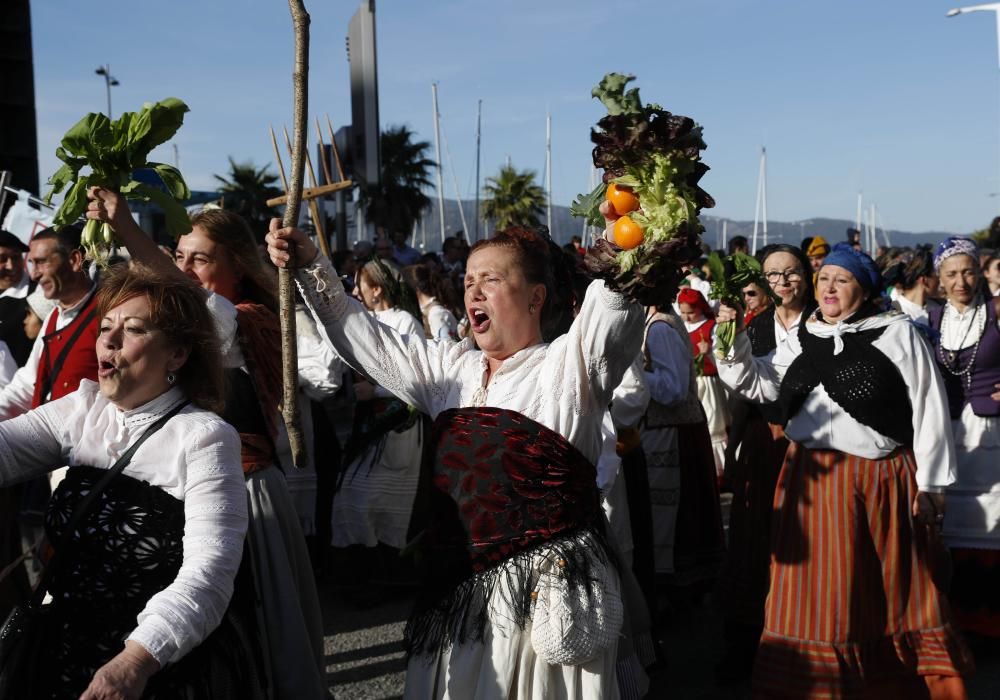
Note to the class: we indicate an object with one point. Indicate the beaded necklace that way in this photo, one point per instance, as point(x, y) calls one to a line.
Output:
point(949, 358)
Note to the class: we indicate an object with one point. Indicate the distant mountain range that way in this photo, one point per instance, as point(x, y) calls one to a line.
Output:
point(565, 226)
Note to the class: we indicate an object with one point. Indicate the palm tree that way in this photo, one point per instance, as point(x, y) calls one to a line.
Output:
point(513, 199)
point(399, 200)
point(246, 192)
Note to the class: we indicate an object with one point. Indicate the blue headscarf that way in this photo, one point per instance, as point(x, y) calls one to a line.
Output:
point(860, 265)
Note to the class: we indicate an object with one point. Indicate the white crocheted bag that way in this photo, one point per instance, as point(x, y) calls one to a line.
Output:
point(569, 627)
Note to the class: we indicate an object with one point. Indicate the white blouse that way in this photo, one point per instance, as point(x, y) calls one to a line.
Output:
point(822, 424)
point(565, 385)
point(195, 458)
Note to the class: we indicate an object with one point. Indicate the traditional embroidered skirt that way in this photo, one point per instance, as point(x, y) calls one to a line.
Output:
point(855, 598)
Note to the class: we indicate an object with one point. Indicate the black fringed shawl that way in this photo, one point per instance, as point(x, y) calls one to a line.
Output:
point(503, 490)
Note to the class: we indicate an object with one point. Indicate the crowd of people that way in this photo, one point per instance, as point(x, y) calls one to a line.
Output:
point(538, 458)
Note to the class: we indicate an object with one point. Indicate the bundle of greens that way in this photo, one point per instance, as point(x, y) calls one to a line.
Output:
point(656, 156)
point(729, 276)
point(114, 151)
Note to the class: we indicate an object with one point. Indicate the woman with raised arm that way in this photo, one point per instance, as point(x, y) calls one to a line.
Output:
point(967, 348)
point(854, 607)
point(523, 597)
point(143, 572)
point(221, 255)
point(753, 475)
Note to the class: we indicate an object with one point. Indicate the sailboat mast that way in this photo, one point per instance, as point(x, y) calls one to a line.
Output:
point(756, 206)
point(479, 135)
point(763, 170)
point(548, 173)
point(858, 219)
point(437, 150)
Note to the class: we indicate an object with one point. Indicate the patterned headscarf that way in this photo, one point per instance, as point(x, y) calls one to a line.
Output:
point(955, 245)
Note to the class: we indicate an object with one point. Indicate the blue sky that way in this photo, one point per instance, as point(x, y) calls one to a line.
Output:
point(889, 97)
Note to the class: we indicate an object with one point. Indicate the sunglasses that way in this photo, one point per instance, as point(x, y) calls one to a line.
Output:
point(750, 293)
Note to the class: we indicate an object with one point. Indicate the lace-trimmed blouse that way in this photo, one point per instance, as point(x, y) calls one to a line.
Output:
point(195, 458)
point(565, 385)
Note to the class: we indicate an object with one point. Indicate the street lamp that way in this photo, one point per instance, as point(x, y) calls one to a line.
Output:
point(993, 7)
point(109, 80)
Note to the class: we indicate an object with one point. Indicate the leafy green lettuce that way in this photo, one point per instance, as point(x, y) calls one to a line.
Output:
point(113, 151)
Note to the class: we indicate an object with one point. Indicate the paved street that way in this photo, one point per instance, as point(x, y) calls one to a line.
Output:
point(365, 657)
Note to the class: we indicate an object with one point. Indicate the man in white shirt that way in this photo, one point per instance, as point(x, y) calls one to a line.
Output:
point(62, 355)
point(15, 284)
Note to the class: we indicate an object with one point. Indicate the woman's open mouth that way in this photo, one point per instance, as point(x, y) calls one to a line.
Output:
point(105, 369)
point(480, 320)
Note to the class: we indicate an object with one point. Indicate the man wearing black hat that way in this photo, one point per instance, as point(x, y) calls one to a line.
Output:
point(15, 285)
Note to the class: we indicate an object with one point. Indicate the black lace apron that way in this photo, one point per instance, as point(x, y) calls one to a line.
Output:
point(127, 549)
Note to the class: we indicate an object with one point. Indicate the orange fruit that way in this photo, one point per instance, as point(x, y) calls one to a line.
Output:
point(622, 199)
point(628, 234)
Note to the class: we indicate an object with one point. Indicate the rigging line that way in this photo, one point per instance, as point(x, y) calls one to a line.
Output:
point(458, 194)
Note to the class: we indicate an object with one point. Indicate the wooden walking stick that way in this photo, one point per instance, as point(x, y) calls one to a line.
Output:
point(286, 283)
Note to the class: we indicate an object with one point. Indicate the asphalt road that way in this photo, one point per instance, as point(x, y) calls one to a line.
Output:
point(365, 658)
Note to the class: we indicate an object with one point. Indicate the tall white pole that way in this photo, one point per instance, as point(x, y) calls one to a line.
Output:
point(763, 170)
point(756, 207)
point(479, 142)
point(858, 218)
point(548, 174)
point(725, 233)
point(437, 149)
point(458, 193)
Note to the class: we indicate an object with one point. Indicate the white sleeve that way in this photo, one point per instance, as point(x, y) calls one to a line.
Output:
point(320, 369)
point(183, 614)
point(31, 443)
point(608, 463)
point(670, 358)
point(7, 365)
point(933, 442)
point(410, 366)
point(754, 378)
point(15, 398)
point(599, 346)
point(224, 315)
point(631, 397)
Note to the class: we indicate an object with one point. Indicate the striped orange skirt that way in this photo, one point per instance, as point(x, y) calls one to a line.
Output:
point(855, 601)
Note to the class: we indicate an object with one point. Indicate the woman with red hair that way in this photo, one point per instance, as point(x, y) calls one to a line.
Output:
point(699, 320)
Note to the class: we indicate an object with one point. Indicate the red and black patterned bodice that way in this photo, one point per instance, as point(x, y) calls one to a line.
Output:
point(503, 489)
point(127, 549)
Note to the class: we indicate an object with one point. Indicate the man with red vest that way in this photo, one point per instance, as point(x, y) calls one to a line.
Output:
point(62, 355)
